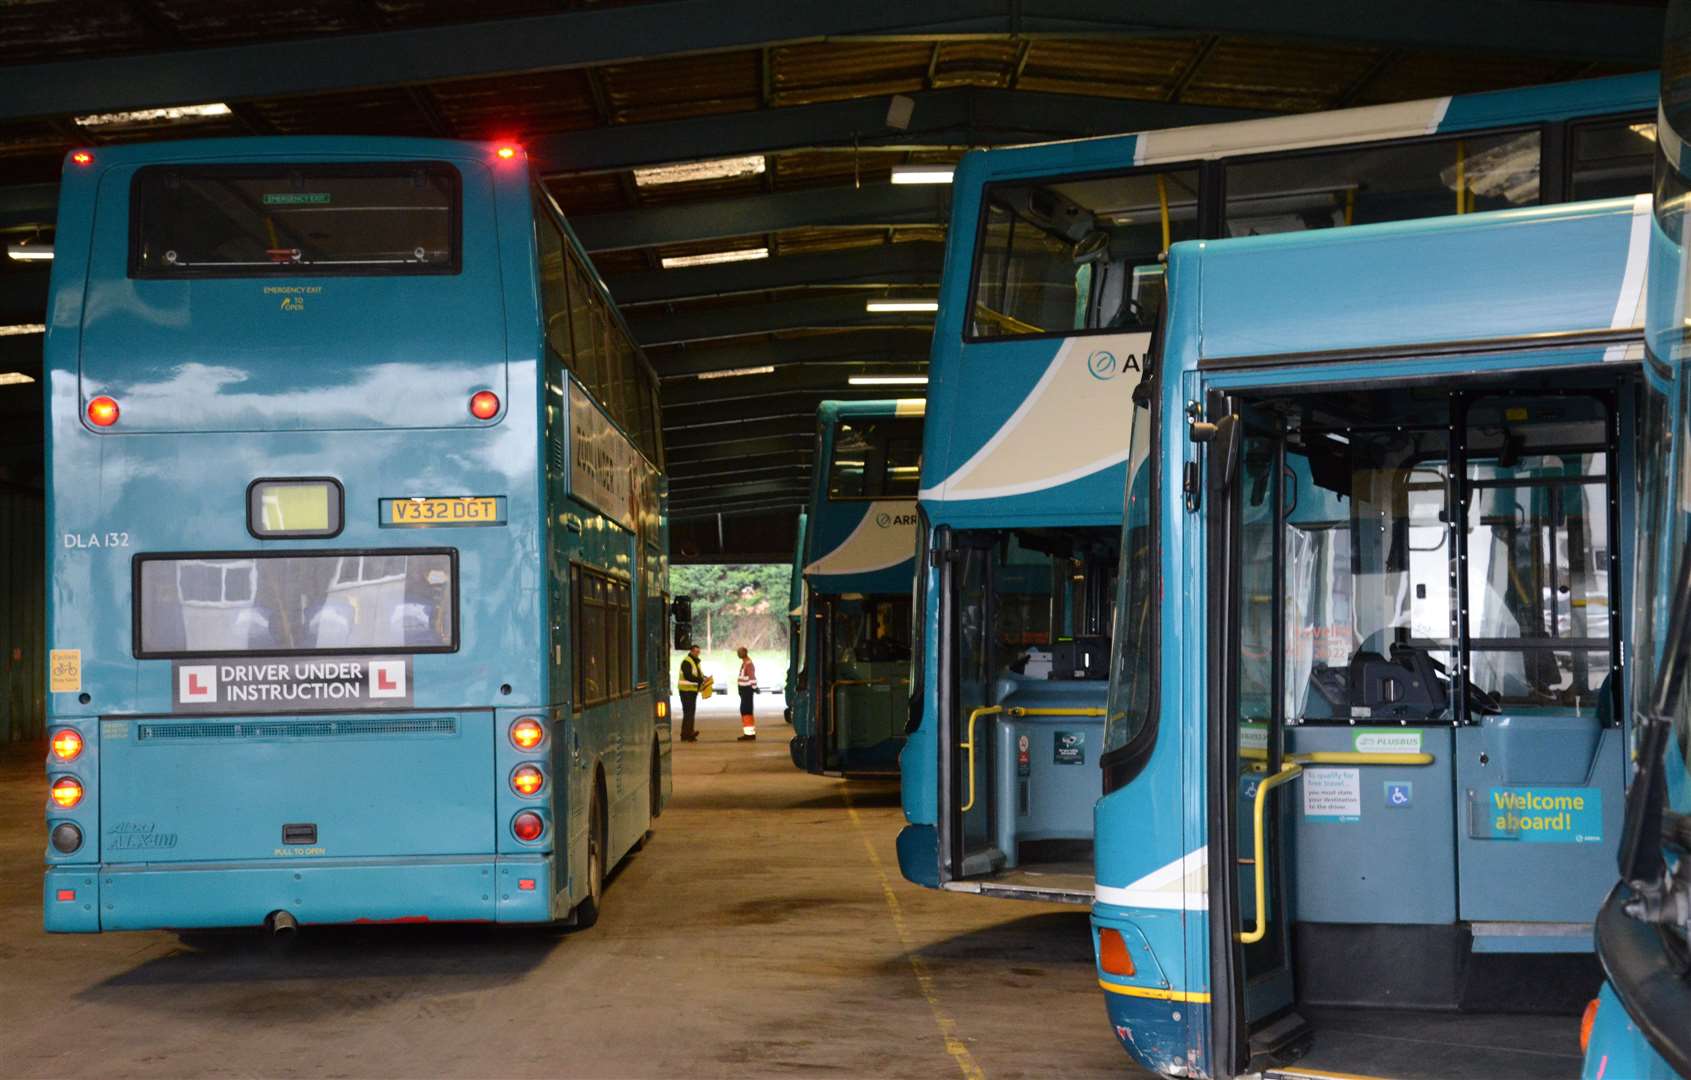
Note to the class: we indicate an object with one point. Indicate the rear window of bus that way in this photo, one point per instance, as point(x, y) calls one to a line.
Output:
point(284, 220)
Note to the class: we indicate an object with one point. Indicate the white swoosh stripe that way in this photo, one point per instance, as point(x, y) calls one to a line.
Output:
point(1182, 885)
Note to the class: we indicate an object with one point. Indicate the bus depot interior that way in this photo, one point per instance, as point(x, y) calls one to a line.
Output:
point(381, 385)
point(1428, 573)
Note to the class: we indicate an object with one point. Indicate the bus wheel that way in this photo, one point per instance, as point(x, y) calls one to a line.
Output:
point(587, 912)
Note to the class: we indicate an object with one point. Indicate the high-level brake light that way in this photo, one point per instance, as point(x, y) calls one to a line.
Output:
point(527, 733)
point(67, 791)
point(484, 405)
point(527, 779)
point(506, 153)
point(67, 744)
point(527, 826)
point(82, 157)
point(102, 411)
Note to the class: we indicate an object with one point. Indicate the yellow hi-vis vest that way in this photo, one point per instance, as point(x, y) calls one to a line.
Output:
point(690, 675)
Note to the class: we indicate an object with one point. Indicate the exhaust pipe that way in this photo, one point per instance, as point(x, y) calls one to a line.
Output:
point(281, 925)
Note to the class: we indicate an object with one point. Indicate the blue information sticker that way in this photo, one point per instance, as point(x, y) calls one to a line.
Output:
point(1399, 794)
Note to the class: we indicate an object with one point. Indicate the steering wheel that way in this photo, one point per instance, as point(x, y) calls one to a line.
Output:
point(1482, 701)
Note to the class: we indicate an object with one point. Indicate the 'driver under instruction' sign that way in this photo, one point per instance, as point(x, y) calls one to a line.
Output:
point(289, 684)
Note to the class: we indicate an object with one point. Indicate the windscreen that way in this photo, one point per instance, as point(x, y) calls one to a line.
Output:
point(223, 220)
point(393, 601)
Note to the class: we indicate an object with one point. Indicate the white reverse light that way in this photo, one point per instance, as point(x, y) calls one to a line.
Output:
point(719, 169)
point(711, 258)
point(901, 305)
point(155, 116)
point(922, 174)
point(888, 380)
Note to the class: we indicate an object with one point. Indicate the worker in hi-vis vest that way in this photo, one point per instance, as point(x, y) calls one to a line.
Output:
point(748, 687)
point(691, 681)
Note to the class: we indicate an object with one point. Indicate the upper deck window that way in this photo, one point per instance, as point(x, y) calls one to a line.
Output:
point(1078, 253)
point(1385, 182)
point(282, 220)
point(876, 458)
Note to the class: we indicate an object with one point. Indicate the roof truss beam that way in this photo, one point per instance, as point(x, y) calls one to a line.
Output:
point(1616, 33)
point(816, 313)
point(911, 263)
point(877, 206)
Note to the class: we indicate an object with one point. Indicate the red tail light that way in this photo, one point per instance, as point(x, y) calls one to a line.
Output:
point(527, 779)
point(1586, 1023)
point(527, 733)
point(67, 744)
point(484, 405)
point(1112, 953)
point(67, 791)
point(527, 826)
point(102, 412)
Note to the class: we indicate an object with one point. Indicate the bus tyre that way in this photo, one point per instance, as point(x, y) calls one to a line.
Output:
point(587, 912)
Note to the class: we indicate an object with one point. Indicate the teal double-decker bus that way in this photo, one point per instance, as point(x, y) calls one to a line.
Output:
point(849, 697)
point(1367, 746)
point(1054, 283)
point(358, 555)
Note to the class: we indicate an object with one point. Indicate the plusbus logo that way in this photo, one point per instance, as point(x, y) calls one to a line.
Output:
point(887, 521)
point(1103, 364)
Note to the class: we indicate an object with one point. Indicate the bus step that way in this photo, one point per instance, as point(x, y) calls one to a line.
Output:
point(1283, 1039)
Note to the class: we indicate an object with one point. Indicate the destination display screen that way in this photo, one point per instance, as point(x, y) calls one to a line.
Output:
point(294, 508)
point(226, 604)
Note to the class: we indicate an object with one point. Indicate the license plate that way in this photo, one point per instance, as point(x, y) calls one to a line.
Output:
point(467, 510)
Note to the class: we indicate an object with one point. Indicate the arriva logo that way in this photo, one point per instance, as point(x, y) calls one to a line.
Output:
point(887, 521)
point(1104, 366)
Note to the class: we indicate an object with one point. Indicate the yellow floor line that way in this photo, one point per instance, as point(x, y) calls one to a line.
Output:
point(924, 978)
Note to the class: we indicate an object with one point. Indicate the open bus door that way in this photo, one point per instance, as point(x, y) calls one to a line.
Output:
point(1250, 936)
point(965, 698)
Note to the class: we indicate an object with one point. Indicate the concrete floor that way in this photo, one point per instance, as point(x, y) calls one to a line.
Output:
point(765, 931)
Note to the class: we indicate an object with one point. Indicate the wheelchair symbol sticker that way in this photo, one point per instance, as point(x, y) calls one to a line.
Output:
point(1399, 793)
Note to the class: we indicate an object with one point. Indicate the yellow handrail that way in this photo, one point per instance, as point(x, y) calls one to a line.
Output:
point(1162, 207)
point(1341, 757)
point(1260, 859)
point(975, 714)
point(1012, 711)
point(1288, 772)
point(1007, 323)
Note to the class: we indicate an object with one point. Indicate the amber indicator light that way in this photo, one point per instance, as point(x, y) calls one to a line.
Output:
point(1112, 953)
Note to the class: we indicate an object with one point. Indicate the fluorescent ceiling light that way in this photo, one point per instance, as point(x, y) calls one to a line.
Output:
point(922, 174)
point(902, 305)
point(730, 373)
point(23, 328)
point(155, 116)
point(711, 258)
point(1647, 130)
point(720, 169)
point(15, 378)
point(888, 380)
point(24, 251)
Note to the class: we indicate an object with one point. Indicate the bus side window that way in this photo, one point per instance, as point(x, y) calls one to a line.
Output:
point(554, 293)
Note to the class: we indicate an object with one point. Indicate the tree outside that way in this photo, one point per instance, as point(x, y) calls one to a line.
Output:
point(737, 604)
